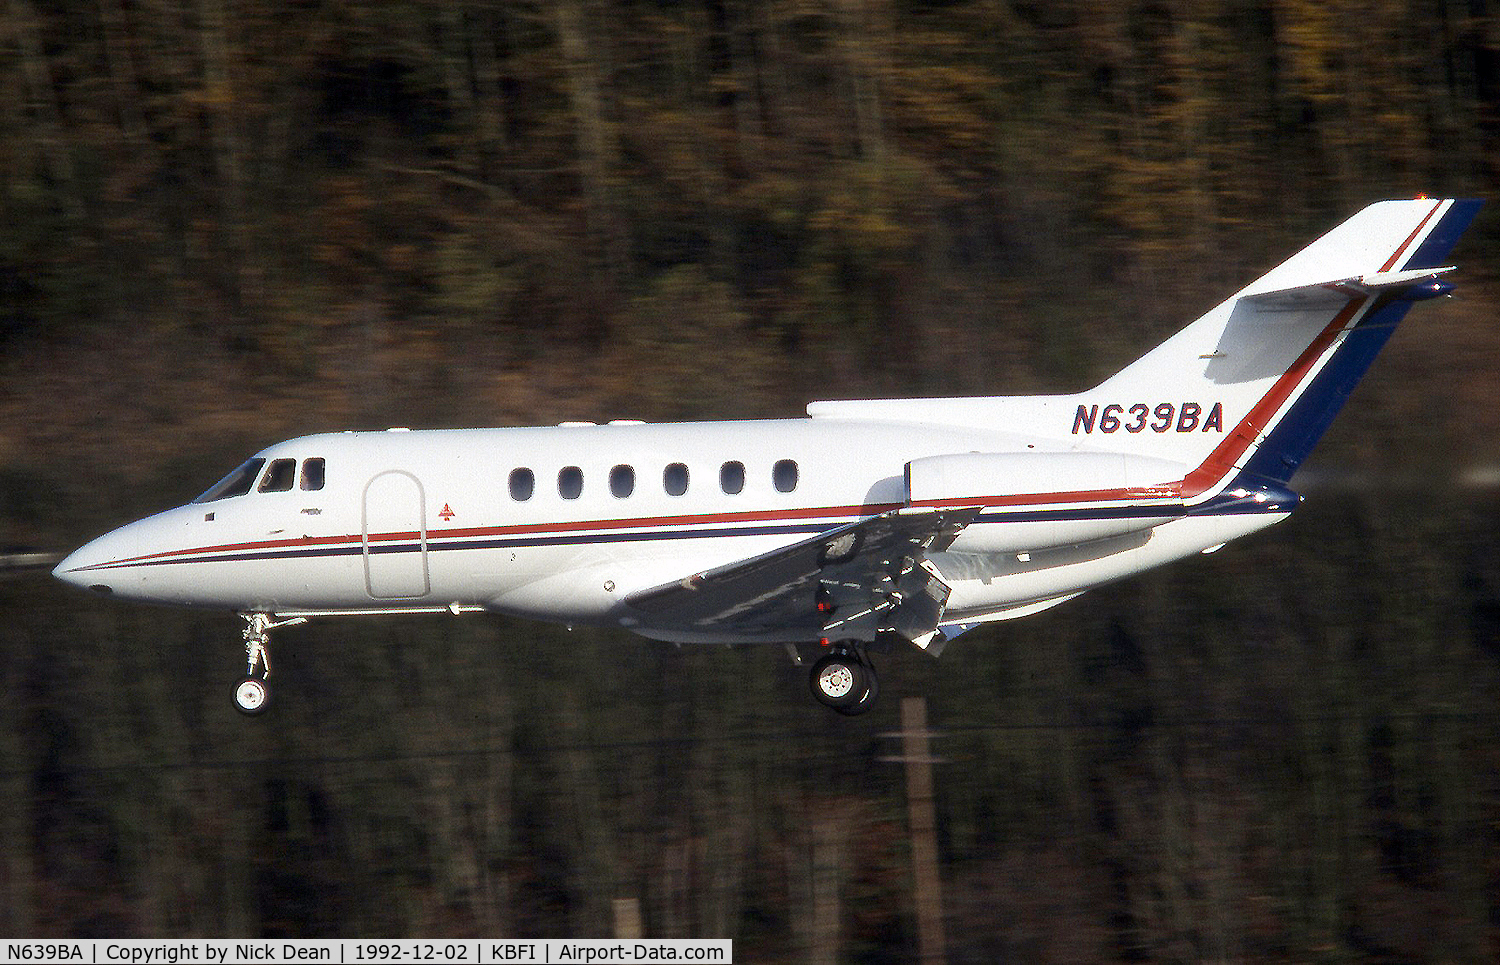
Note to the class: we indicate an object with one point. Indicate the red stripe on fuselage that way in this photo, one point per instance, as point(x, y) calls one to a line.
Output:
point(523, 529)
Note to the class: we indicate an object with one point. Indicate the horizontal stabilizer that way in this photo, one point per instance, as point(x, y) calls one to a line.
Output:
point(1416, 283)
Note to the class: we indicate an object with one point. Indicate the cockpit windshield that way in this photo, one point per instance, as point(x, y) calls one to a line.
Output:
point(237, 483)
point(280, 476)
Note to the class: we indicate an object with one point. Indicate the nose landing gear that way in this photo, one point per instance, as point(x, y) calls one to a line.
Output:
point(252, 694)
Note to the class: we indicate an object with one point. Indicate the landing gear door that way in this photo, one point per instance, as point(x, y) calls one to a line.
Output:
point(395, 537)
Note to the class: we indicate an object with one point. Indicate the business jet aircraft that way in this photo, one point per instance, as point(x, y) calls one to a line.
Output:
point(911, 519)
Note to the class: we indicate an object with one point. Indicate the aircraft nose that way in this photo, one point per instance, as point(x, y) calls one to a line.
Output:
point(133, 562)
point(118, 562)
point(85, 566)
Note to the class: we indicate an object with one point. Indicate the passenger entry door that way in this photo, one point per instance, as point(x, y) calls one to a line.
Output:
point(395, 537)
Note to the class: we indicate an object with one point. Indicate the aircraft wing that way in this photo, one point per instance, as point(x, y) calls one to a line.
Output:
point(848, 583)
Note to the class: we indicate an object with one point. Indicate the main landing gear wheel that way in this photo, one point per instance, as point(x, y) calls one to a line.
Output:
point(251, 696)
point(844, 682)
point(872, 690)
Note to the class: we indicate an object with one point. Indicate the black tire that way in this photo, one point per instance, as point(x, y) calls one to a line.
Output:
point(251, 696)
point(838, 680)
point(867, 699)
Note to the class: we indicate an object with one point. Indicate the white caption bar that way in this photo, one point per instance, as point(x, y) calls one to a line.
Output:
point(468, 952)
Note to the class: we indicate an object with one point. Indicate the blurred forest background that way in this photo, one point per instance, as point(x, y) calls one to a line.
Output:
point(227, 222)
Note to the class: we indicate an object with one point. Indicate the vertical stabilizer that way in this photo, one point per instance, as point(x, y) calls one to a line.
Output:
point(1253, 384)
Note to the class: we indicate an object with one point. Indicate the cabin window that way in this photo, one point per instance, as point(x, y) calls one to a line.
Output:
point(784, 475)
point(280, 476)
point(674, 479)
point(732, 478)
point(237, 483)
point(570, 482)
point(312, 475)
point(622, 481)
point(522, 484)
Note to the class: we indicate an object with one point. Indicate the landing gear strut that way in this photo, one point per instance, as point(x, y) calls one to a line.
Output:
point(252, 694)
point(845, 680)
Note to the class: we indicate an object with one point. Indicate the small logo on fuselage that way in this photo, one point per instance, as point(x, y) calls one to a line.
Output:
point(1162, 417)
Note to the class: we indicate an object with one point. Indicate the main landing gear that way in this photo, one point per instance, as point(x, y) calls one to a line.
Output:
point(252, 694)
point(845, 679)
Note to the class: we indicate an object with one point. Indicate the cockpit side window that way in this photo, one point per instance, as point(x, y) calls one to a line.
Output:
point(312, 475)
point(280, 476)
point(237, 483)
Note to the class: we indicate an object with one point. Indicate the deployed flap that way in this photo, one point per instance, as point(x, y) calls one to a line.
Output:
point(851, 582)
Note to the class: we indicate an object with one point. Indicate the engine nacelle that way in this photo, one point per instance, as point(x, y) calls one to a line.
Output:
point(1039, 500)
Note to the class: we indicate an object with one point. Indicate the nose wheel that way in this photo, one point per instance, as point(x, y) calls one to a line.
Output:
point(253, 694)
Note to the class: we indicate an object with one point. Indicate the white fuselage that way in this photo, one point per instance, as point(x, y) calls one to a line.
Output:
point(417, 520)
